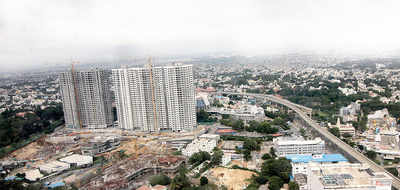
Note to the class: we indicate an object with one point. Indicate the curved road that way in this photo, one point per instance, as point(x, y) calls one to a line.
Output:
point(357, 155)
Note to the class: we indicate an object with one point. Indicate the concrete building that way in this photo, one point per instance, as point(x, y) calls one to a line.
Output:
point(54, 166)
point(155, 98)
point(202, 101)
point(351, 109)
point(286, 146)
point(210, 137)
point(347, 177)
point(226, 159)
point(205, 143)
point(381, 119)
point(244, 112)
point(100, 145)
point(86, 98)
point(344, 128)
point(300, 162)
point(33, 175)
point(301, 179)
point(77, 160)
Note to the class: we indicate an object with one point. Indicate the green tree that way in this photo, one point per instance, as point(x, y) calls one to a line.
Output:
point(303, 132)
point(261, 179)
point(293, 186)
point(203, 116)
point(216, 158)
point(203, 181)
point(393, 171)
point(371, 154)
point(251, 145)
point(335, 131)
point(266, 156)
point(280, 167)
point(275, 183)
point(247, 154)
point(160, 180)
point(347, 135)
point(272, 152)
point(199, 157)
point(180, 181)
point(238, 125)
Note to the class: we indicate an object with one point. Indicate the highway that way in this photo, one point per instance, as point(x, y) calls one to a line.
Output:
point(347, 148)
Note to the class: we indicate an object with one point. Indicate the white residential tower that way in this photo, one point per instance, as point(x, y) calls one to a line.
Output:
point(155, 98)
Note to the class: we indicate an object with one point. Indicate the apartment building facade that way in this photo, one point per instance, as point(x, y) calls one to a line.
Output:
point(87, 99)
point(155, 98)
point(287, 146)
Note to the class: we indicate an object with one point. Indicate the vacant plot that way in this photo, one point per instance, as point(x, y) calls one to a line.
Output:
point(233, 179)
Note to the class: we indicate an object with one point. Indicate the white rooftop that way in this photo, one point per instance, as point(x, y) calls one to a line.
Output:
point(33, 175)
point(78, 159)
point(297, 141)
point(209, 136)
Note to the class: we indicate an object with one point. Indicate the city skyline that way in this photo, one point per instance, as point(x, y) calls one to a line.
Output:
point(195, 95)
point(47, 32)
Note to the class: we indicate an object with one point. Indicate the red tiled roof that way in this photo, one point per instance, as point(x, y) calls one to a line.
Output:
point(226, 131)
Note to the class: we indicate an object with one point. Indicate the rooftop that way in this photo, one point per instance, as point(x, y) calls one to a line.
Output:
point(209, 136)
point(297, 158)
point(77, 158)
point(350, 175)
point(296, 141)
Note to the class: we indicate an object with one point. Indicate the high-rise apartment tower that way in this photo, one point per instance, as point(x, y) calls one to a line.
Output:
point(86, 98)
point(155, 98)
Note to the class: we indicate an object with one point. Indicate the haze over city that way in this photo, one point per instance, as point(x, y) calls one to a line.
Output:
point(33, 33)
point(199, 95)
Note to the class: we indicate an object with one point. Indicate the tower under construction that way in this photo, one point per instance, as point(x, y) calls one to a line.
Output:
point(155, 98)
point(86, 98)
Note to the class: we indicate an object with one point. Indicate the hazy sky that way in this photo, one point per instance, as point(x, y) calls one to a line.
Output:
point(34, 32)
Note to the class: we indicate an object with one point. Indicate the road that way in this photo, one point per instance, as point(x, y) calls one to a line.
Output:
point(392, 166)
point(299, 110)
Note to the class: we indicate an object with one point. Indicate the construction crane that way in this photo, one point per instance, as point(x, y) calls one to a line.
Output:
point(155, 119)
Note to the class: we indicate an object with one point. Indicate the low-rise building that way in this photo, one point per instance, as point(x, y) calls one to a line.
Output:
point(244, 112)
point(301, 179)
point(226, 159)
point(62, 139)
point(347, 177)
point(100, 145)
point(300, 162)
point(77, 160)
point(205, 142)
point(210, 137)
point(345, 128)
point(351, 109)
point(297, 145)
point(202, 101)
point(54, 166)
point(33, 175)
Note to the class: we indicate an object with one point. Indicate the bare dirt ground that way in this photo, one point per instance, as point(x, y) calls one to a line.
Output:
point(233, 179)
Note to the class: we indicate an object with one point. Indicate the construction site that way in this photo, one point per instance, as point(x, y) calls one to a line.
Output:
point(119, 159)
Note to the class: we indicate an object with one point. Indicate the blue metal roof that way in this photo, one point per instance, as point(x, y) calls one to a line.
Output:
point(56, 184)
point(296, 158)
point(10, 178)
